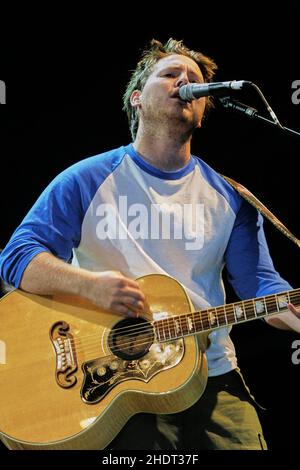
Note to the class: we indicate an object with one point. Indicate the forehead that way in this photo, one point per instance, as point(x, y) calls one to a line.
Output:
point(178, 61)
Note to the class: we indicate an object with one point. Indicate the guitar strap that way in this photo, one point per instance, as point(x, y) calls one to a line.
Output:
point(261, 208)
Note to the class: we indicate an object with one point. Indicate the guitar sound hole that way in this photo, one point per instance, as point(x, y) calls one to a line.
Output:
point(131, 338)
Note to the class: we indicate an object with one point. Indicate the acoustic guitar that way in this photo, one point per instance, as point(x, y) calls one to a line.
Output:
point(71, 375)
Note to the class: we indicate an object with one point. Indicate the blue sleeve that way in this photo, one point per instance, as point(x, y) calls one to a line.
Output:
point(249, 265)
point(54, 222)
point(52, 225)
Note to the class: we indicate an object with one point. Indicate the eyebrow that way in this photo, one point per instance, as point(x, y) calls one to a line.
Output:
point(178, 67)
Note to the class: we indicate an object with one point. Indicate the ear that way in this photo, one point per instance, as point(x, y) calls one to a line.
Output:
point(135, 98)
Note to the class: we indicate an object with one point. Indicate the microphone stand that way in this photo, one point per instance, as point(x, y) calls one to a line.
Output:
point(227, 102)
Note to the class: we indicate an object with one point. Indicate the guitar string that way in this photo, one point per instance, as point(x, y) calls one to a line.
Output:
point(136, 344)
point(202, 312)
point(202, 316)
point(146, 328)
point(150, 330)
point(141, 342)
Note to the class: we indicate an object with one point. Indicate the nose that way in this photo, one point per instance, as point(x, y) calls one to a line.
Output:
point(182, 79)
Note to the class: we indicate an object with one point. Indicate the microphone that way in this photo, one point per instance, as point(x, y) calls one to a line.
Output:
point(192, 91)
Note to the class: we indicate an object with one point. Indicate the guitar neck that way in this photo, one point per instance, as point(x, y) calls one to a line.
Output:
point(226, 315)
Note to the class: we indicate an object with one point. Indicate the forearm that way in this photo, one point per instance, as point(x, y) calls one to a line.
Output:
point(47, 275)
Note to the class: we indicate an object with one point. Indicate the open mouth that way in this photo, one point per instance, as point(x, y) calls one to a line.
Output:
point(182, 102)
point(176, 96)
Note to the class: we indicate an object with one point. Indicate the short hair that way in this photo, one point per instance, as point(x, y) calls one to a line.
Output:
point(144, 68)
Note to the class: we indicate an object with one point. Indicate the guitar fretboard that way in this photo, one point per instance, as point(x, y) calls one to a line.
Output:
point(229, 314)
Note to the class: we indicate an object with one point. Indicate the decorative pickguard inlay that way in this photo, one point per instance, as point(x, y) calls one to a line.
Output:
point(64, 347)
point(136, 355)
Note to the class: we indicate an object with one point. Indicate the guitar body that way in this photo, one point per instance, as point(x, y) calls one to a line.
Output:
point(72, 375)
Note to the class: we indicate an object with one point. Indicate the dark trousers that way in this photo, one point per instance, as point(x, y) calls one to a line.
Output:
point(225, 417)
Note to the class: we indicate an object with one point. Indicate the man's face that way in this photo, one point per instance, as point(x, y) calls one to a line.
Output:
point(159, 101)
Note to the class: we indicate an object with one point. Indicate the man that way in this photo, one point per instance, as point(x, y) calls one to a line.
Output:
point(87, 215)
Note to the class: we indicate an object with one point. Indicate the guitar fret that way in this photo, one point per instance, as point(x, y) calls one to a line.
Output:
point(277, 305)
point(254, 309)
point(190, 322)
point(212, 317)
point(221, 315)
point(163, 329)
point(294, 297)
point(230, 313)
point(217, 315)
point(233, 311)
point(225, 314)
point(157, 326)
point(239, 312)
point(196, 320)
point(205, 320)
point(259, 306)
point(178, 329)
point(266, 308)
point(172, 328)
point(244, 306)
point(187, 329)
point(208, 318)
point(250, 311)
point(183, 325)
point(271, 304)
point(169, 331)
point(282, 300)
point(199, 322)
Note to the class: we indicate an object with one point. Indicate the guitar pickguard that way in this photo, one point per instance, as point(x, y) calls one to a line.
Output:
point(102, 374)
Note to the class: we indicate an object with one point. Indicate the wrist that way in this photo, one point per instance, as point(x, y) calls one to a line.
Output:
point(84, 283)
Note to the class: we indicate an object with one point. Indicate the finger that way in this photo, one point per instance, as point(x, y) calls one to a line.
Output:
point(132, 283)
point(135, 294)
point(293, 309)
point(133, 303)
point(124, 310)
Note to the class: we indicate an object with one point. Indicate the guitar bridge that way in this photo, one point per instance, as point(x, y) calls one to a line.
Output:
point(66, 361)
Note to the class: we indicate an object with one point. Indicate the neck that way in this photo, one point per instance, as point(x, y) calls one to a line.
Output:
point(163, 151)
point(191, 323)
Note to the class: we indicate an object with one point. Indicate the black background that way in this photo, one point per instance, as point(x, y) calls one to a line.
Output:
point(65, 79)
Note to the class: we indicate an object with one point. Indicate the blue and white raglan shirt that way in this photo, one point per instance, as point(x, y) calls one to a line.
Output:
point(114, 211)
